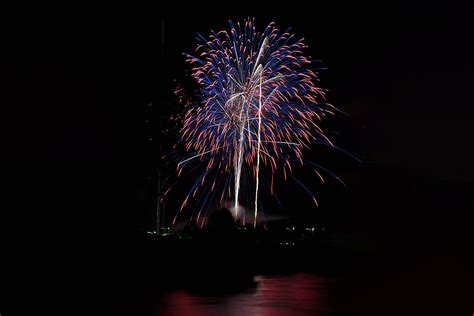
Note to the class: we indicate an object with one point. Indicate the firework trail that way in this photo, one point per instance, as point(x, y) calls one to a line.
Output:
point(261, 104)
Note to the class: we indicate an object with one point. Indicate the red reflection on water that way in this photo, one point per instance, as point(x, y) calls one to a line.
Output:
point(297, 294)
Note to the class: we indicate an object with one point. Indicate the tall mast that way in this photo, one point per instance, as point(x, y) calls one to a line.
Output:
point(160, 127)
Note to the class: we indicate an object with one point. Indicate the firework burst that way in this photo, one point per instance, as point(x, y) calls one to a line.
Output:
point(261, 107)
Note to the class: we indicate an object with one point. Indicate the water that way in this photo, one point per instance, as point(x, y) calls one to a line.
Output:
point(273, 295)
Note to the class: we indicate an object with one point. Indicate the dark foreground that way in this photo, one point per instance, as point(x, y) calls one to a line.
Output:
point(217, 274)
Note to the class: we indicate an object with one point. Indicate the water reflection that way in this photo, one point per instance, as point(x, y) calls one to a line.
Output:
point(275, 295)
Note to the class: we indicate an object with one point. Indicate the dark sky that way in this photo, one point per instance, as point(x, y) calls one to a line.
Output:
point(75, 85)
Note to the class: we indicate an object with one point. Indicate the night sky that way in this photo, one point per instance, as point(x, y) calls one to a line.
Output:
point(75, 157)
